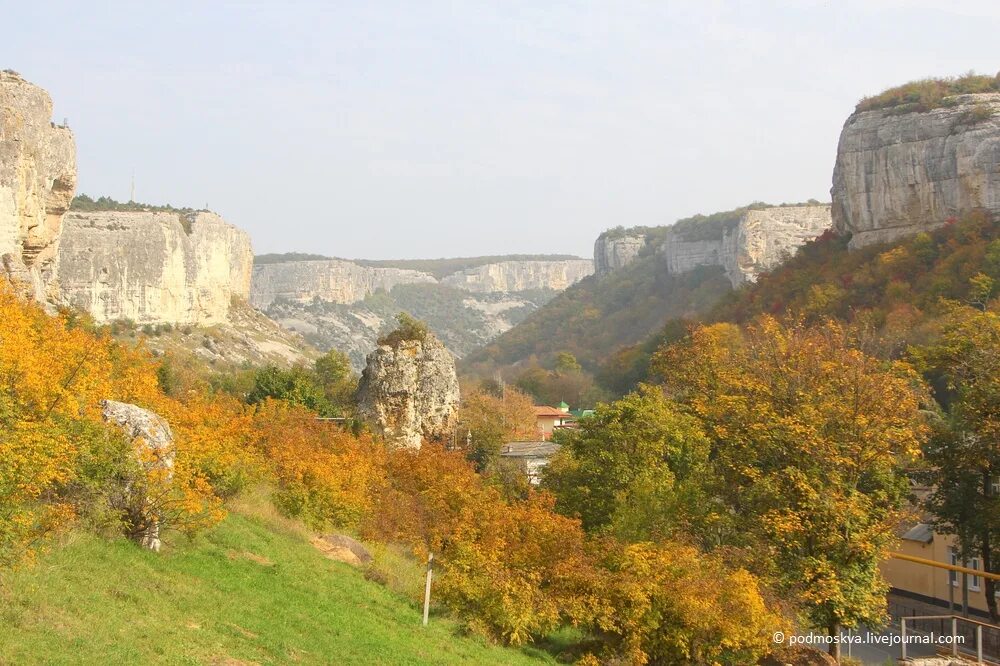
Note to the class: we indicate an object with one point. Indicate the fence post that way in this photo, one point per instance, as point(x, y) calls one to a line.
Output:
point(979, 643)
point(954, 636)
point(427, 587)
point(902, 637)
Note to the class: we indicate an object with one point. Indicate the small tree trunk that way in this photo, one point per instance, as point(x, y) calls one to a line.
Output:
point(834, 630)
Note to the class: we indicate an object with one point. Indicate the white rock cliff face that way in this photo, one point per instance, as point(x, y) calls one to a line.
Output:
point(758, 243)
point(37, 181)
point(512, 276)
point(153, 267)
point(897, 174)
point(329, 280)
point(765, 238)
point(611, 254)
point(409, 392)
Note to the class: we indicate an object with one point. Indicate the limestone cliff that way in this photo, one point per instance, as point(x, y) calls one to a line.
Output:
point(764, 238)
point(153, 267)
point(345, 305)
point(898, 173)
point(409, 391)
point(752, 242)
point(37, 181)
point(330, 281)
point(514, 276)
point(612, 253)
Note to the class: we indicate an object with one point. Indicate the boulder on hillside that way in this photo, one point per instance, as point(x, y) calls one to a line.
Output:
point(153, 444)
point(409, 390)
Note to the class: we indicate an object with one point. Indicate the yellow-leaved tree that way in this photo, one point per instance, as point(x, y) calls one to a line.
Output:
point(810, 437)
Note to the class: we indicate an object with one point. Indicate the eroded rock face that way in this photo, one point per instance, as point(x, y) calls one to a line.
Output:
point(409, 392)
point(154, 449)
point(153, 267)
point(37, 182)
point(328, 280)
point(514, 276)
point(765, 238)
point(611, 254)
point(897, 174)
point(758, 242)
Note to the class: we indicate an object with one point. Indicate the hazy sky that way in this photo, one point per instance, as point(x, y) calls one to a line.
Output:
point(428, 129)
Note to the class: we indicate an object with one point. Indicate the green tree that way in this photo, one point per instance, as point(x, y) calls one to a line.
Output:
point(338, 381)
point(964, 365)
point(295, 385)
point(636, 467)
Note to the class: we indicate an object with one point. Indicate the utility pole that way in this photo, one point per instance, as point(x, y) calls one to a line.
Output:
point(131, 192)
point(427, 587)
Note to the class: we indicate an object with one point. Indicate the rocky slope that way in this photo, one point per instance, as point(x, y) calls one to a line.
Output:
point(900, 172)
point(152, 266)
point(745, 243)
point(346, 305)
point(409, 391)
point(37, 181)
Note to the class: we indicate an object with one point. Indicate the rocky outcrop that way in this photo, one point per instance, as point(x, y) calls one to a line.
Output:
point(514, 276)
point(329, 281)
point(153, 446)
point(899, 173)
point(765, 238)
point(37, 181)
point(755, 242)
point(612, 253)
point(153, 267)
point(409, 392)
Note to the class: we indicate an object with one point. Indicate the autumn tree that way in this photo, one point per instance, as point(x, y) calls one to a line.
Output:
point(964, 454)
point(486, 421)
point(637, 467)
point(809, 439)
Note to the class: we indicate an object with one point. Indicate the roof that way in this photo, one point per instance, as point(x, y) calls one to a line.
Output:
point(545, 410)
point(529, 449)
point(921, 533)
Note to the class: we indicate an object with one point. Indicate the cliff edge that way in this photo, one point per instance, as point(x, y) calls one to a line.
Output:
point(37, 181)
point(900, 171)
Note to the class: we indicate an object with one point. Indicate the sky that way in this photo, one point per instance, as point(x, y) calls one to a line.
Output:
point(385, 130)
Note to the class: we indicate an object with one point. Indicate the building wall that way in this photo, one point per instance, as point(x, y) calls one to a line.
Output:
point(930, 581)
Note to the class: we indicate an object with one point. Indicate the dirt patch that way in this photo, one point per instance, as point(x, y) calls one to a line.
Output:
point(230, 661)
point(253, 557)
point(343, 549)
point(246, 633)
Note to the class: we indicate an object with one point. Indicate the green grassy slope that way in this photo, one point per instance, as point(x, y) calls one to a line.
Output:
point(248, 591)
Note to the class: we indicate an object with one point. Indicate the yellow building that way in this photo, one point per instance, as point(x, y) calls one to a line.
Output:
point(931, 584)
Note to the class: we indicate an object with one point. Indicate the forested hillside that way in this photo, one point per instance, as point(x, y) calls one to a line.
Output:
point(595, 317)
point(898, 291)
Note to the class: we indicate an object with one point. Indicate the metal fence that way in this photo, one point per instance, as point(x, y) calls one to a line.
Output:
point(919, 620)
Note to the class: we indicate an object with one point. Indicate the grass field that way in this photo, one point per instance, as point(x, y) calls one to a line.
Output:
point(250, 591)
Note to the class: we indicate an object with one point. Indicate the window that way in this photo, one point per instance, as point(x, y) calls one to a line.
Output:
point(974, 581)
